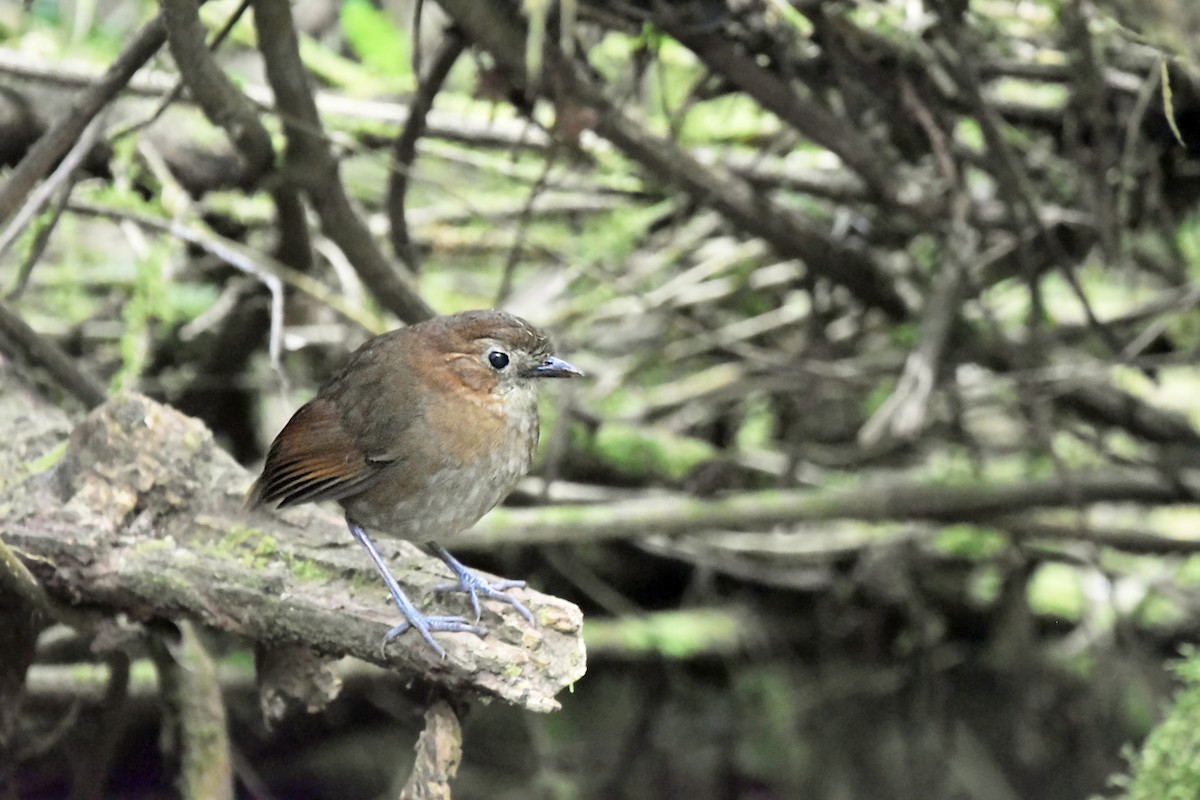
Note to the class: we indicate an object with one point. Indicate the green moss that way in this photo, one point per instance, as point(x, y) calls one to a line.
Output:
point(194, 438)
point(382, 47)
point(249, 546)
point(308, 570)
point(1188, 573)
point(266, 547)
point(258, 550)
point(147, 305)
point(970, 541)
point(151, 545)
point(237, 536)
point(758, 426)
point(768, 737)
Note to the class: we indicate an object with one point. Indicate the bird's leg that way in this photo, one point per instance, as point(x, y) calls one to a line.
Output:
point(473, 585)
point(424, 625)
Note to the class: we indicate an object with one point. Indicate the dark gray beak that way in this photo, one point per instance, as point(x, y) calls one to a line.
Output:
point(553, 367)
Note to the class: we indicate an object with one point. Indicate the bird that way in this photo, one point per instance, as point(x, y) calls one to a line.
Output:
point(417, 435)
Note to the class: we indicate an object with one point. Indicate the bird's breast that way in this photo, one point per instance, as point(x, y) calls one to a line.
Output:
point(478, 459)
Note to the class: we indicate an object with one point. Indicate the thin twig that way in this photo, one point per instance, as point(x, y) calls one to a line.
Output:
point(41, 239)
point(404, 151)
point(522, 232)
point(40, 196)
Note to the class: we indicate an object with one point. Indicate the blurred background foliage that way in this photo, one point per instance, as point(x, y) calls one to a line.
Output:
point(831, 245)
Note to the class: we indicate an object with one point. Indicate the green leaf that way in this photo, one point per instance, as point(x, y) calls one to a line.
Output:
point(1168, 103)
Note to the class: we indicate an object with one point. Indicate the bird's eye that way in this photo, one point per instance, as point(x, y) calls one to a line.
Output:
point(497, 359)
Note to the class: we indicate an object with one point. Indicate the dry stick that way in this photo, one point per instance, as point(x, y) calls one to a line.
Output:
point(1098, 156)
point(51, 147)
point(904, 414)
point(439, 752)
point(25, 345)
point(1126, 539)
point(789, 233)
point(41, 239)
point(242, 257)
point(1130, 150)
point(225, 106)
point(270, 271)
point(1014, 181)
point(1105, 404)
point(312, 165)
point(1099, 405)
point(1182, 299)
point(505, 134)
point(1122, 409)
point(192, 695)
point(404, 151)
point(16, 581)
point(523, 222)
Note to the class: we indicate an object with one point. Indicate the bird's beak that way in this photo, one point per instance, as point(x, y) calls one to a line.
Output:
point(553, 367)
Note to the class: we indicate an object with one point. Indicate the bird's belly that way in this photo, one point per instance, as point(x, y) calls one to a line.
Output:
point(450, 501)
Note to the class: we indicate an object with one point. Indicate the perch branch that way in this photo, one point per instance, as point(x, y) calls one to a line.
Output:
point(143, 515)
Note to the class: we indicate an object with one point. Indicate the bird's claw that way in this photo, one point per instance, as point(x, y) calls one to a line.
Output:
point(473, 586)
point(426, 627)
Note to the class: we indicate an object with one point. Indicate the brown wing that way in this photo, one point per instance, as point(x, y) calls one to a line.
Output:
point(312, 459)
